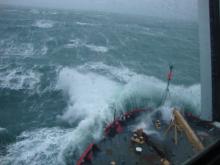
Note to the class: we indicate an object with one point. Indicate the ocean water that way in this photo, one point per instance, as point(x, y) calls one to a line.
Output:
point(63, 72)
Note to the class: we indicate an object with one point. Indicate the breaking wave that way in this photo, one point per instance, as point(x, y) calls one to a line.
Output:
point(90, 94)
point(93, 97)
point(148, 87)
point(94, 91)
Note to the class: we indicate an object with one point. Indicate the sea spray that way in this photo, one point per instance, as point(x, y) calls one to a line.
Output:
point(90, 94)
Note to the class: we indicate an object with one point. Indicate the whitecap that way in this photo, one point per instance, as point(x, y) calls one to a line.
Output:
point(44, 50)
point(85, 24)
point(19, 79)
point(74, 43)
point(23, 49)
point(44, 24)
point(99, 49)
point(122, 73)
point(41, 146)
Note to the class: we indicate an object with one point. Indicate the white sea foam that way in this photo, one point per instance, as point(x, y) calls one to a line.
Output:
point(22, 49)
point(138, 85)
point(85, 24)
point(152, 89)
point(44, 24)
point(19, 79)
point(51, 145)
point(154, 33)
point(146, 125)
point(44, 50)
point(123, 74)
point(74, 43)
point(90, 94)
point(41, 146)
point(96, 48)
point(144, 30)
point(166, 111)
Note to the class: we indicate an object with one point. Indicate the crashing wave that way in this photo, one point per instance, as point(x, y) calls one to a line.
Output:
point(92, 99)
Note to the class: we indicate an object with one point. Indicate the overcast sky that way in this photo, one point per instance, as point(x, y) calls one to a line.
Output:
point(182, 9)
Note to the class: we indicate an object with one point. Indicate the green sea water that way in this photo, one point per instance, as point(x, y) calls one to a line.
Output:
point(63, 72)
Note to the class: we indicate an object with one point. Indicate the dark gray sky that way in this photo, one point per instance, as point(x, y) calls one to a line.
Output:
point(180, 9)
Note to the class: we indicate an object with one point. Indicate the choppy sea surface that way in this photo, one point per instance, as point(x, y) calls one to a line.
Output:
point(63, 72)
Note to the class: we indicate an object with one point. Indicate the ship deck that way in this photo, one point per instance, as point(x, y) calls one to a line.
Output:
point(122, 151)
